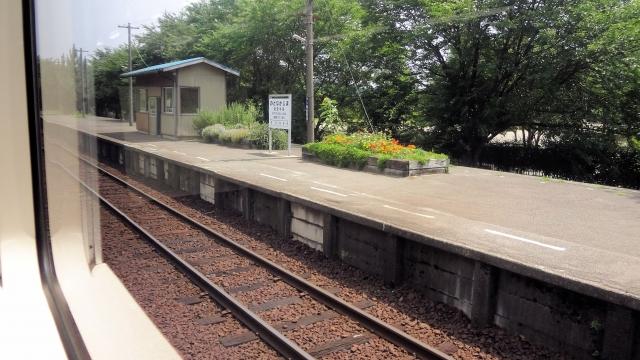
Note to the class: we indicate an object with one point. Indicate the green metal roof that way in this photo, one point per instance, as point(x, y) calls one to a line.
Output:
point(170, 66)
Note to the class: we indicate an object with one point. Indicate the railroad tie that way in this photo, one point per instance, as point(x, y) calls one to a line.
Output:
point(190, 300)
point(246, 336)
point(210, 320)
point(275, 303)
point(339, 345)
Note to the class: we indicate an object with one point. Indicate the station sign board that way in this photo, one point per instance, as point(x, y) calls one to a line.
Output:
point(280, 116)
point(280, 111)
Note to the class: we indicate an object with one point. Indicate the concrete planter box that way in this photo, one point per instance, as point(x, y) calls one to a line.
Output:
point(394, 167)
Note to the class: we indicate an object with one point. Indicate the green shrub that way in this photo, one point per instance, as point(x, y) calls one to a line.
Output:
point(203, 119)
point(339, 155)
point(212, 132)
point(280, 139)
point(259, 137)
point(235, 115)
point(235, 136)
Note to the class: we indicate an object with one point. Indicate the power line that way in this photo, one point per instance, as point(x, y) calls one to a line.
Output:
point(366, 114)
point(140, 56)
point(355, 84)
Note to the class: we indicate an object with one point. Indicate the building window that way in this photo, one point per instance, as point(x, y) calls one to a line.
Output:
point(189, 100)
point(168, 99)
point(142, 100)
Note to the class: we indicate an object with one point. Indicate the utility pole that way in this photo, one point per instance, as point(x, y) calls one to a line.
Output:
point(83, 77)
point(129, 27)
point(309, 53)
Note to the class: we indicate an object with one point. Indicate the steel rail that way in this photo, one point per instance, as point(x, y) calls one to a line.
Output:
point(270, 335)
point(377, 326)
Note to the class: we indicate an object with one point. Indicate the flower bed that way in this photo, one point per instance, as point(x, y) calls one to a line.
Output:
point(375, 152)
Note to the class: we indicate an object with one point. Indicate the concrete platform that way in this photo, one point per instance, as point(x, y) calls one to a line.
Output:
point(580, 237)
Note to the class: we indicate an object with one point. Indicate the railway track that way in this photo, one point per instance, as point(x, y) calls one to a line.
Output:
point(229, 273)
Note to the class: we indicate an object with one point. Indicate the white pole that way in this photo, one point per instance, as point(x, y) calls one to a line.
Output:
point(270, 147)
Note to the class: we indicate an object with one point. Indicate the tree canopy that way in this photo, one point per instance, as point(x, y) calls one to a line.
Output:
point(452, 75)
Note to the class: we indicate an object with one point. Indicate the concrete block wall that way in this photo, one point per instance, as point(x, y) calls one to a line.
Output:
point(360, 246)
point(550, 315)
point(272, 211)
point(443, 276)
point(307, 226)
point(141, 166)
point(153, 168)
point(207, 188)
point(188, 180)
point(227, 196)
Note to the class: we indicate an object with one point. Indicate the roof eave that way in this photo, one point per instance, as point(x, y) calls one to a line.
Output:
point(181, 65)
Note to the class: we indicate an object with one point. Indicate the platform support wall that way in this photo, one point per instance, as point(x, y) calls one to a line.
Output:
point(483, 293)
point(619, 333)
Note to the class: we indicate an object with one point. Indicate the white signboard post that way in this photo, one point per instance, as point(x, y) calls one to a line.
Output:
point(280, 116)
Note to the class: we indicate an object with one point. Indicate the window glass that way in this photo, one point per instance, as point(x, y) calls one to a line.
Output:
point(189, 100)
point(168, 99)
point(364, 129)
point(142, 100)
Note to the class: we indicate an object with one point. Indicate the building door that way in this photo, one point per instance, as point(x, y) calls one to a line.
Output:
point(154, 115)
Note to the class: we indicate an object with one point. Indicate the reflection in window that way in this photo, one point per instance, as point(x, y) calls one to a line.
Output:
point(189, 100)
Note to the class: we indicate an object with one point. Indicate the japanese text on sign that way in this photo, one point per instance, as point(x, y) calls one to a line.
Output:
point(280, 111)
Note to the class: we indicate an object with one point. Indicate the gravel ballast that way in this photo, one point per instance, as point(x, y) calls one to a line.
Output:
point(404, 307)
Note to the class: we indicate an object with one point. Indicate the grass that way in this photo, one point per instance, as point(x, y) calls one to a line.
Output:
point(238, 124)
point(354, 150)
point(233, 115)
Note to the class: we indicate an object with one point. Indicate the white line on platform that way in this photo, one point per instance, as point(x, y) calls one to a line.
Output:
point(274, 177)
point(328, 191)
point(553, 247)
point(201, 158)
point(409, 212)
point(179, 153)
point(284, 169)
point(327, 185)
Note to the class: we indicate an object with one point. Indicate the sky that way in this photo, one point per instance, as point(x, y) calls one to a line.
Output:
point(92, 24)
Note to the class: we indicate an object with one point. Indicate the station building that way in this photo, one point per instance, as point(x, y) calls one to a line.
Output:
point(168, 96)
